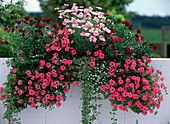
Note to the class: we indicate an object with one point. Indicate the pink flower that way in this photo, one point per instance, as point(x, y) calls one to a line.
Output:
point(20, 82)
point(102, 88)
point(31, 92)
point(96, 19)
point(115, 38)
point(48, 32)
point(135, 96)
point(112, 82)
point(151, 110)
point(82, 33)
point(115, 53)
point(75, 83)
point(63, 68)
point(93, 38)
point(37, 86)
point(29, 82)
point(92, 64)
point(69, 62)
point(47, 96)
point(59, 97)
point(115, 106)
point(85, 27)
point(111, 96)
point(42, 62)
point(88, 52)
point(162, 78)
point(102, 38)
point(48, 65)
point(1, 89)
point(33, 105)
point(130, 47)
point(101, 56)
point(144, 97)
point(73, 52)
point(95, 33)
point(87, 34)
point(31, 99)
point(149, 60)
point(14, 70)
point(112, 89)
point(43, 92)
point(96, 53)
point(28, 72)
point(64, 61)
point(58, 104)
point(120, 82)
point(3, 96)
point(120, 39)
point(61, 77)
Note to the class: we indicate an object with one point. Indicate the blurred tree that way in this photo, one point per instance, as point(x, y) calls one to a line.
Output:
point(107, 5)
point(11, 10)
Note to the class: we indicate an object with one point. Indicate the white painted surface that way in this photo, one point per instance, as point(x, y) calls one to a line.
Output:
point(70, 111)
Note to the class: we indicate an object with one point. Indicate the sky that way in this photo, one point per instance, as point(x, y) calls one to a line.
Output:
point(141, 7)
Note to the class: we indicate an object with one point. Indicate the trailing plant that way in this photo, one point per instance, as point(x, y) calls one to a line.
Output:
point(87, 48)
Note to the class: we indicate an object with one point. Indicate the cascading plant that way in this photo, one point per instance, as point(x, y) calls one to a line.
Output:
point(84, 47)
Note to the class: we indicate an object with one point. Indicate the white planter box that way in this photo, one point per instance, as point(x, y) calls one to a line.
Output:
point(70, 111)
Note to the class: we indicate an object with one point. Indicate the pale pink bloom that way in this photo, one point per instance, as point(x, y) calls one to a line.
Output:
point(99, 8)
point(66, 5)
point(96, 33)
point(89, 24)
point(107, 30)
point(130, 47)
point(96, 19)
point(90, 8)
point(74, 8)
point(86, 11)
point(87, 34)
point(75, 25)
point(82, 33)
point(93, 38)
point(56, 8)
point(82, 21)
point(85, 27)
point(48, 32)
point(102, 38)
point(91, 30)
point(80, 15)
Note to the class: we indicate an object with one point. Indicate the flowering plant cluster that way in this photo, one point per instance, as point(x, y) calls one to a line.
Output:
point(83, 46)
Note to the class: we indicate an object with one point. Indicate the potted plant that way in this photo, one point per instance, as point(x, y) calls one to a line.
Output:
point(84, 47)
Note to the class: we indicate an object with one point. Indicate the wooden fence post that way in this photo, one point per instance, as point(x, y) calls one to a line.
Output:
point(164, 43)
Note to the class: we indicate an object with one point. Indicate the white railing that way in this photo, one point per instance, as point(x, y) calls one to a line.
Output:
point(70, 111)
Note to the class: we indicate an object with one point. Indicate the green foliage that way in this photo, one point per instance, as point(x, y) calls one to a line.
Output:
point(4, 49)
point(154, 22)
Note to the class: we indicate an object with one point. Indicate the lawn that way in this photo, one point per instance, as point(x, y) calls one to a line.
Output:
point(155, 35)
